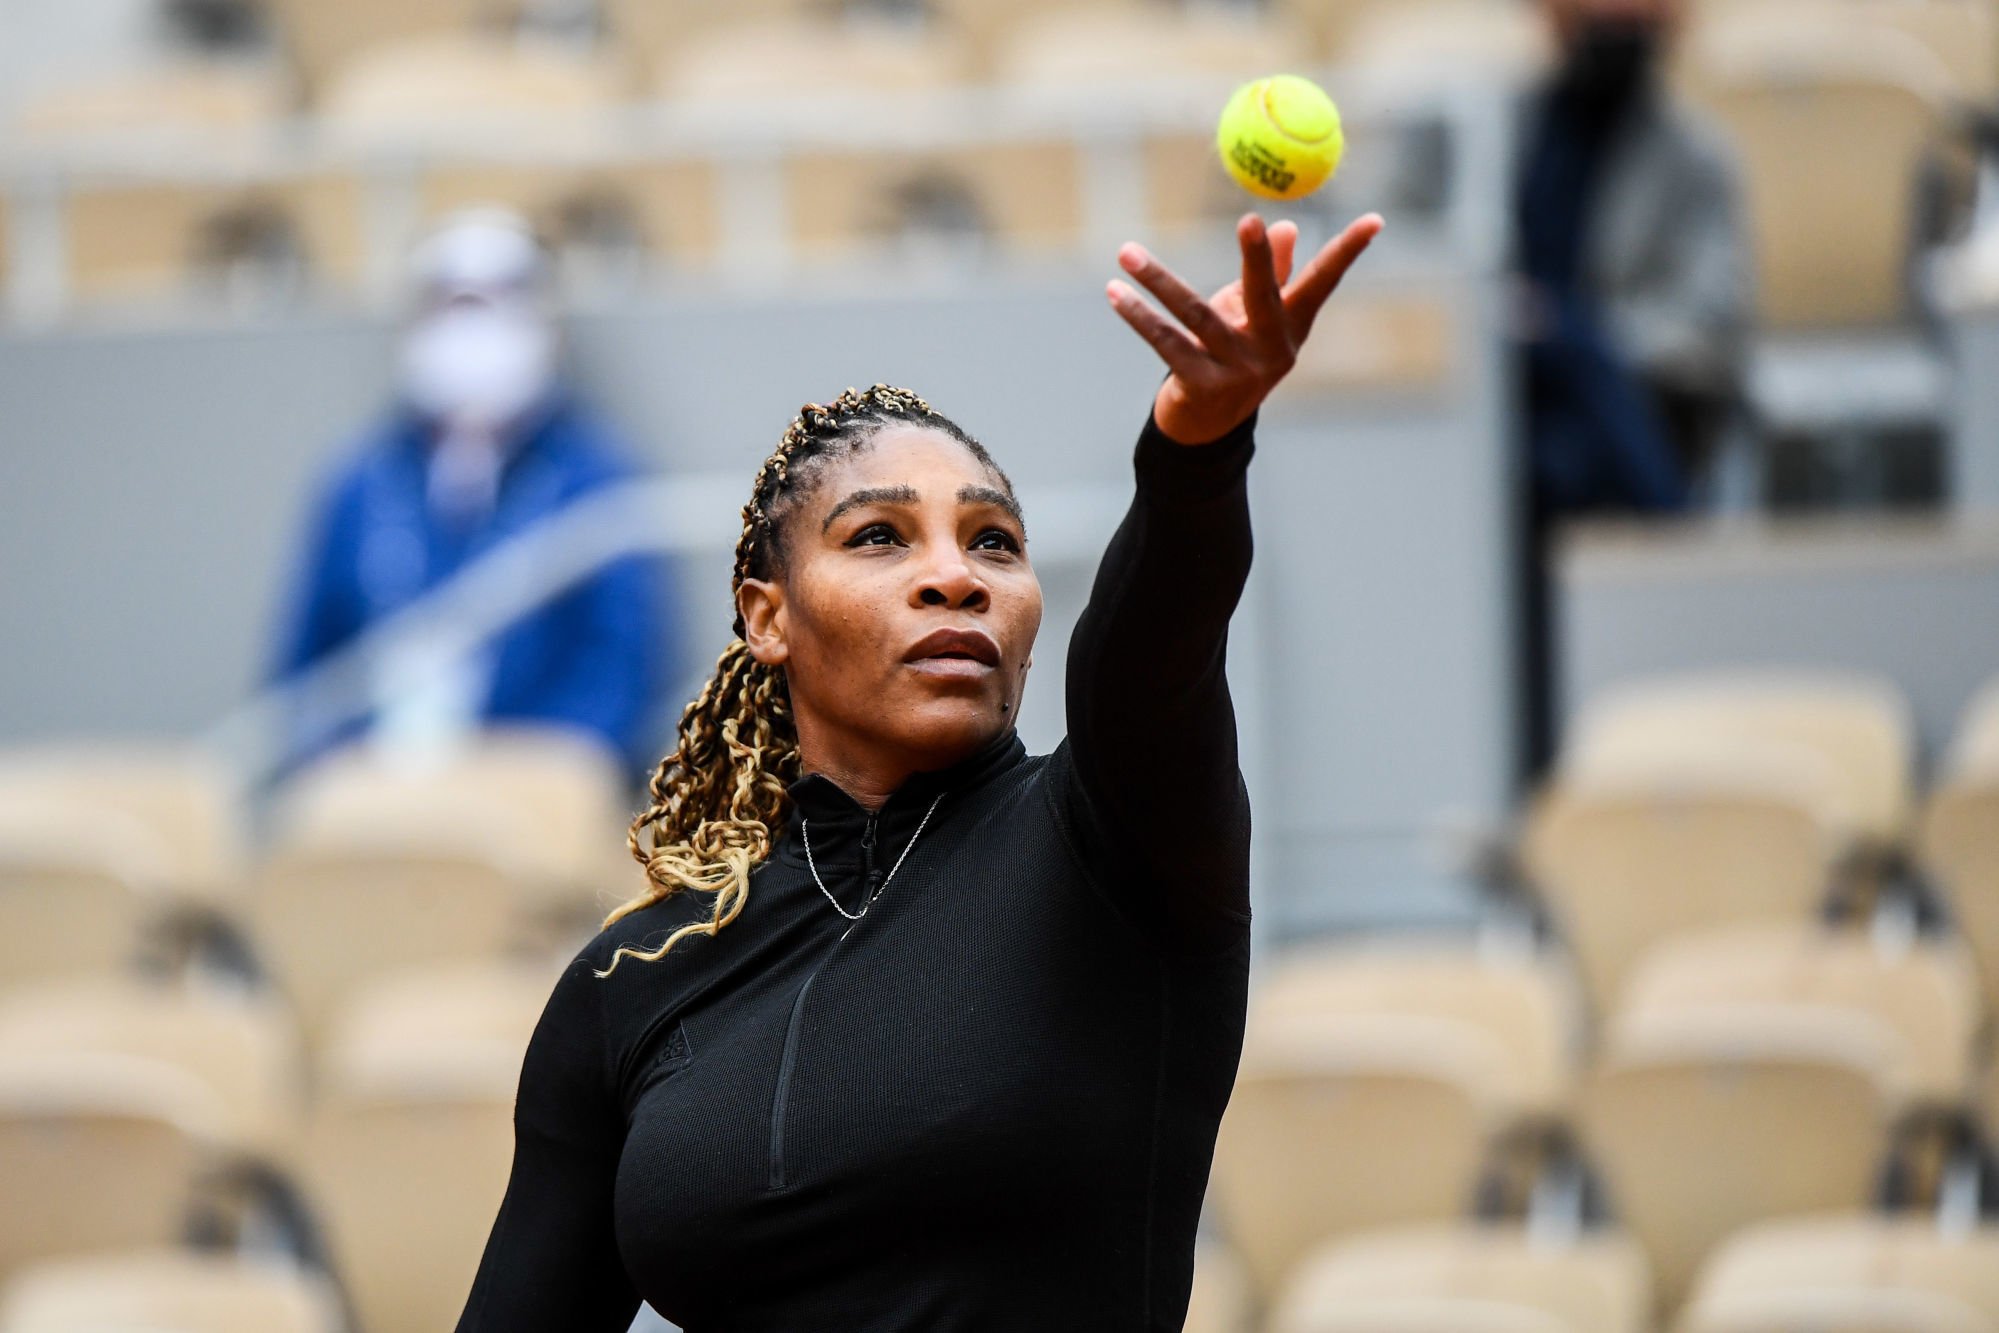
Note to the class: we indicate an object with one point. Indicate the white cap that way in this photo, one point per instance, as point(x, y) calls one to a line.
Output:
point(485, 251)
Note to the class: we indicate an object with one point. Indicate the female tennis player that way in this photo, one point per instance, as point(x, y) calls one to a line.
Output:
point(912, 1030)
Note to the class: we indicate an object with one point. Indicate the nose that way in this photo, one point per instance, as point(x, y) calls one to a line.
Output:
point(950, 580)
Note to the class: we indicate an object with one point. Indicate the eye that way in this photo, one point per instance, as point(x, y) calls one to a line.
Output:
point(996, 539)
point(874, 534)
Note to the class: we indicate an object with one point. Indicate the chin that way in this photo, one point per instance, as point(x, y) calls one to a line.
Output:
point(945, 730)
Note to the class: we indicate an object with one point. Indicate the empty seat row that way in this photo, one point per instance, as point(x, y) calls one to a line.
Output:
point(123, 1108)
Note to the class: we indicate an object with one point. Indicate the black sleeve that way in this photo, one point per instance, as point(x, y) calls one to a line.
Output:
point(1152, 786)
point(552, 1258)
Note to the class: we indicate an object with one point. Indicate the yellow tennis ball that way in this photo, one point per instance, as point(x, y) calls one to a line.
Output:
point(1280, 137)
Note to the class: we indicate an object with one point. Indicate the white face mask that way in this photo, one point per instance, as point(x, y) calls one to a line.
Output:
point(478, 366)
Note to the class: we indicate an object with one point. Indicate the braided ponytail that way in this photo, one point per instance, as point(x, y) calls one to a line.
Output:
point(720, 800)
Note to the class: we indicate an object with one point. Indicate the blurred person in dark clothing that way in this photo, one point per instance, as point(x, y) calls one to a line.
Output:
point(1632, 310)
point(484, 441)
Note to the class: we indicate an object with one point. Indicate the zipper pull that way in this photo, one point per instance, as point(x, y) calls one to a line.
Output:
point(874, 874)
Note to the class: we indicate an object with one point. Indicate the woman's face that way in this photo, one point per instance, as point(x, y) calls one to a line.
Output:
point(905, 610)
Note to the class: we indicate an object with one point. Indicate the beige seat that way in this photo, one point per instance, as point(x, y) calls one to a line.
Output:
point(1090, 46)
point(1525, 1009)
point(1435, 41)
point(211, 97)
point(1849, 1274)
point(321, 39)
point(603, 214)
point(76, 898)
point(653, 33)
point(328, 919)
point(268, 242)
point(1704, 1121)
point(242, 1048)
point(409, 1149)
point(168, 1290)
point(549, 804)
point(1829, 122)
point(1624, 861)
point(1469, 1279)
point(98, 1152)
point(1856, 730)
point(753, 64)
point(1921, 1000)
point(1343, 1122)
point(1221, 1300)
point(1960, 35)
point(443, 85)
point(1959, 843)
point(183, 805)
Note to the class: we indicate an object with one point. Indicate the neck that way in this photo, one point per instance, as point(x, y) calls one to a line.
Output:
point(870, 772)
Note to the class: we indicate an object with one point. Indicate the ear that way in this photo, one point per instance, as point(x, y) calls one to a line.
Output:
point(760, 602)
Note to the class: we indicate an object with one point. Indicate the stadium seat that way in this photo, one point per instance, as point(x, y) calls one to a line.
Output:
point(1959, 34)
point(98, 1152)
point(243, 1048)
point(605, 222)
point(1849, 1274)
point(1959, 844)
point(1858, 728)
point(1435, 41)
point(213, 98)
point(328, 918)
point(751, 64)
point(75, 896)
point(1469, 1279)
point(1922, 998)
point(321, 39)
point(182, 805)
point(651, 33)
point(268, 242)
point(1704, 1121)
point(164, 1290)
point(1220, 1302)
point(548, 803)
point(1526, 1009)
point(1348, 1121)
point(1829, 122)
point(1625, 861)
point(1092, 46)
point(409, 1147)
point(444, 85)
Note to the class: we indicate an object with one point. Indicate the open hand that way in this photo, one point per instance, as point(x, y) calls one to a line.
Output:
point(1227, 353)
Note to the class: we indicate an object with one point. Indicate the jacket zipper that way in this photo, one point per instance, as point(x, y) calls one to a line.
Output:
point(872, 878)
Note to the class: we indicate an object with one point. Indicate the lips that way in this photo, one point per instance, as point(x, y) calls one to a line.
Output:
point(961, 645)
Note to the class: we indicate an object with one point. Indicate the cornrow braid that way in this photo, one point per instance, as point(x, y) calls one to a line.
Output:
point(720, 801)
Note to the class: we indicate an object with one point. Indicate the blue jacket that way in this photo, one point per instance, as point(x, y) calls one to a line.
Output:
point(594, 658)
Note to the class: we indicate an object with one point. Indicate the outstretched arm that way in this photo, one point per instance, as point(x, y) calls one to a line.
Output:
point(1154, 793)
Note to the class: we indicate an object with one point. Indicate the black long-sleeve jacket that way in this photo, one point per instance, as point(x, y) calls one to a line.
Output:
point(990, 1104)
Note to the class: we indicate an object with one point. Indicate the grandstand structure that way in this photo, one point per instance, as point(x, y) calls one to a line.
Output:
point(1699, 1041)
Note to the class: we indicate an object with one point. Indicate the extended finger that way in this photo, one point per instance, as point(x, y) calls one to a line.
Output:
point(1283, 248)
point(1262, 301)
point(1322, 276)
point(1181, 353)
point(1186, 304)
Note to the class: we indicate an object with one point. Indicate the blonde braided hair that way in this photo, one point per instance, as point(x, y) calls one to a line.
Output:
point(720, 799)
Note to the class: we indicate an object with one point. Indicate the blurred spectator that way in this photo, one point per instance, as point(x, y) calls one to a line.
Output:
point(1632, 260)
point(484, 441)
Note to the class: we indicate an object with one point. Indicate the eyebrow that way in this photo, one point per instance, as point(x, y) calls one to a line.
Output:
point(872, 495)
point(905, 495)
point(992, 495)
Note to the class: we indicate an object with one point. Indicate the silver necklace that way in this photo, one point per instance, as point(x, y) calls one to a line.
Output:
point(805, 836)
